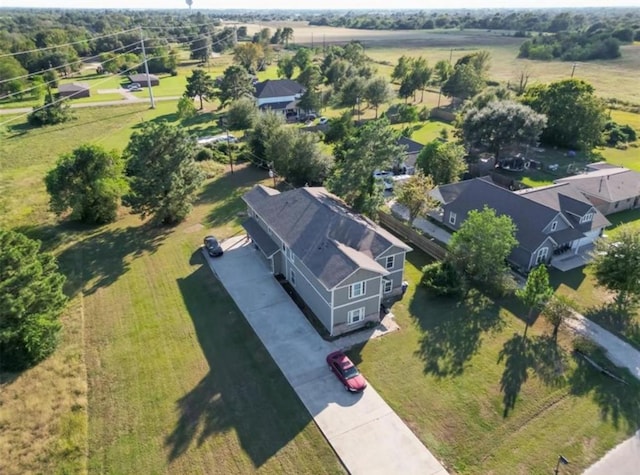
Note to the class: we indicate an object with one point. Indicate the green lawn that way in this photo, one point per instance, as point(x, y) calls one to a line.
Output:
point(177, 380)
point(484, 399)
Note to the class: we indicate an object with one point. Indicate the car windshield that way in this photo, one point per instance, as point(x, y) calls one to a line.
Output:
point(211, 242)
point(350, 372)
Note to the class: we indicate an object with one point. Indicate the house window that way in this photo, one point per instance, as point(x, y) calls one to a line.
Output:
point(356, 290)
point(452, 218)
point(389, 262)
point(356, 315)
point(292, 277)
point(542, 254)
point(587, 218)
point(554, 226)
point(387, 285)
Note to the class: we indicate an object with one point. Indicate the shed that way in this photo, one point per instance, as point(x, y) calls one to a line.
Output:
point(74, 90)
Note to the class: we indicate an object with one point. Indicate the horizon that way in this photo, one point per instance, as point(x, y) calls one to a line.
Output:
point(328, 5)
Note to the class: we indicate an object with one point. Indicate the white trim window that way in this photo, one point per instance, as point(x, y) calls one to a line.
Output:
point(554, 226)
point(357, 290)
point(587, 218)
point(356, 315)
point(292, 277)
point(542, 254)
point(389, 262)
point(452, 217)
point(387, 285)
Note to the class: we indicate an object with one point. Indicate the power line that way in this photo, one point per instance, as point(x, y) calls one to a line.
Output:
point(67, 44)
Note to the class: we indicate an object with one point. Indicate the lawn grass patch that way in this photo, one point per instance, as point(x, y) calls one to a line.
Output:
point(483, 398)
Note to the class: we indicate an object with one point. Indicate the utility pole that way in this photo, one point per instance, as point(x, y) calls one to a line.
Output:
point(450, 55)
point(573, 69)
point(229, 152)
point(146, 70)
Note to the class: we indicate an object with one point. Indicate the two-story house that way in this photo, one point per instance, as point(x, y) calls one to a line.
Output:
point(340, 263)
point(280, 95)
point(552, 222)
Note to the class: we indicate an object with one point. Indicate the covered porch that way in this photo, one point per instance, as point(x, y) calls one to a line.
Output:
point(573, 258)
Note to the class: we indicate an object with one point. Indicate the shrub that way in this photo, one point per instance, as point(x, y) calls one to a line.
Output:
point(204, 154)
point(211, 168)
point(442, 278)
point(423, 115)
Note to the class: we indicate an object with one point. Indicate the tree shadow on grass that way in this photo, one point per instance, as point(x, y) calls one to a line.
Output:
point(452, 331)
point(619, 403)
point(53, 235)
point(243, 390)
point(520, 354)
point(100, 259)
point(616, 319)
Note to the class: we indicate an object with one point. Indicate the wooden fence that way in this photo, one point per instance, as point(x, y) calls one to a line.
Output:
point(408, 234)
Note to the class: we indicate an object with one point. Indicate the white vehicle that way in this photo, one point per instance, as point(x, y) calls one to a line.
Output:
point(217, 139)
point(385, 178)
point(323, 120)
point(134, 86)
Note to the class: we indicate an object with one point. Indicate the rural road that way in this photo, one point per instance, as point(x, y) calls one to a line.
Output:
point(82, 105)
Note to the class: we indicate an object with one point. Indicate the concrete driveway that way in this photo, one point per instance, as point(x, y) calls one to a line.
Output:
point(366, 434)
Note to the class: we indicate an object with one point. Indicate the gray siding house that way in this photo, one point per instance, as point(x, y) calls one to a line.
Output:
point(551, 221)
point(341, 264)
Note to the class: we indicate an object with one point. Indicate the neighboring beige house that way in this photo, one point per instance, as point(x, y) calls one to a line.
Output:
point(610, 188)
point(344, 266)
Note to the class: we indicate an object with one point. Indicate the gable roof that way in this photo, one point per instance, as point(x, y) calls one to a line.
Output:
point(73, 87)
point(609, 183)
point(411, 145)
point(142, 77)
point(330, 239)
point(277, 88)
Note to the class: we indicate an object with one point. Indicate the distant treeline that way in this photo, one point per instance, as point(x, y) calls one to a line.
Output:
point(583, 46)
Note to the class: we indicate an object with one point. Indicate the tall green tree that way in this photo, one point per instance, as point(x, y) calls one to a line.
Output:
point(286, 66)
point(303, 58)
point(310, 77)
point(242, 114)
point(201, 49)
point(480, 247)
point(12, 79)
point(373, 147)
point(248, 55)
point(443, 162)
point(53, 111)
point(575, 116)
point(235, 83)
point(163, 174)
point(464, 82)
point(287, 35)
point(31, 301)
point(401, 69)
point(90, 182)
point(200, 85)
point(421, 75)
point(413, 194)
point(536, 291)
point(557, 310)
point(352, 92)
point(268, 125)
point(443, 70)
point(377, 92)
point(616, 266)
point(340, 128)
point(500, 124)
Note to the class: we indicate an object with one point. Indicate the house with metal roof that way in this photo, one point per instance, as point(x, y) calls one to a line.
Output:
point(555, 224)
point(280, 95)
point(609, 188)
point(74, 90)
point(342, 265)
point(145, 79)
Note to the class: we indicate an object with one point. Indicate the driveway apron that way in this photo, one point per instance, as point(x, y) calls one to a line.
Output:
point(365, 433)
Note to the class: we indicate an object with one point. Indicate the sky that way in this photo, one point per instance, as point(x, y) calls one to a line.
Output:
point(318, 4)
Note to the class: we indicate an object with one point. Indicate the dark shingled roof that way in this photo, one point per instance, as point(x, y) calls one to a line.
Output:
point(411, 146)
point(331, 240)
point(73, 87)
point(261, 238)
point(609, 183)
point(277, 88)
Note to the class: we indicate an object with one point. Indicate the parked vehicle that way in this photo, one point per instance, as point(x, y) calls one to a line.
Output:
point(323, 120)
point(346, 372)
point(217, 138)
point(134, 86)
point(212, 246)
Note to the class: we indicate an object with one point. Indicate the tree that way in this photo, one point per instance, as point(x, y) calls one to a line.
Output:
point(479, 61)
point(352, 92)
point(536, 291)
point(337, 73)
point(501, 124)
point(444, 70)
point(575, 116)
point(201, 49)
point(413, 194)
point(51, 112)
point(463, 83)
point(402, 69)
point(12, 76)
point(408, 87)
point(267, 125)
point(310, 77)
point(374, 147)
point(287, 35)
point(90, 182)
point(557, 310)
point(248, 55)
point(340, 128)
point(311, 100)
point(420, 75)
point(163, 174)
point(302, 58)
point(616, 266)
point(186, 108)
point(377, 92)
point(31, 301)
point(286, 66)
point(481, 245)
point(242, 114)
point(200, 85)
point(235, 83)
point(443, 162)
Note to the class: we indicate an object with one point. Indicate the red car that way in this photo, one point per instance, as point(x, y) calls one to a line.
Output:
point(346, 372)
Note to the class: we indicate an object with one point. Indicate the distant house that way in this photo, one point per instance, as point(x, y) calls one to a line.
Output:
point(279, 95)
point(143, 81)
point(408, 160)
point(555, 224)
point(74, 90)
point(341, 264)
point(609, 188)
